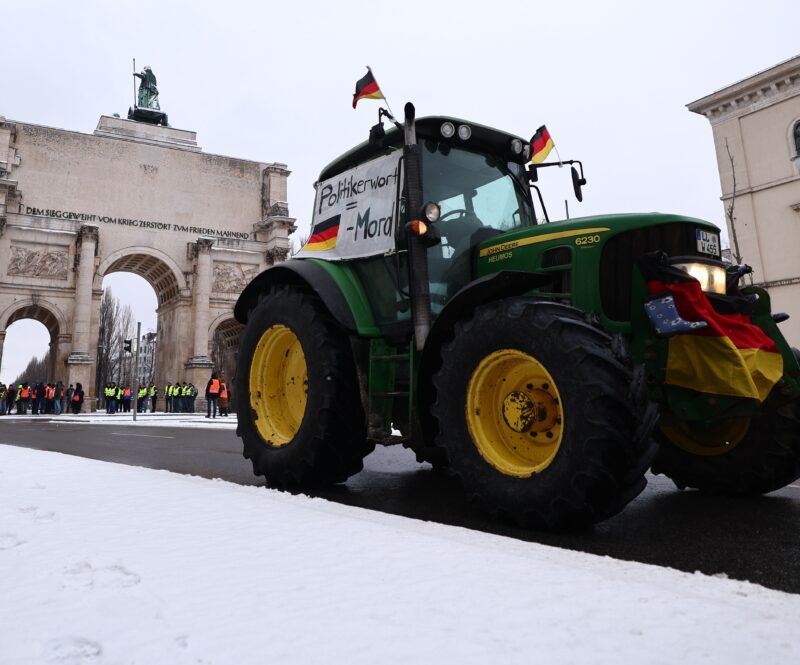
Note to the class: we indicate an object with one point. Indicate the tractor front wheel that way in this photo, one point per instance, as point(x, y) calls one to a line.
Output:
point(539, 418)
point(736, 456)
point(300, 419)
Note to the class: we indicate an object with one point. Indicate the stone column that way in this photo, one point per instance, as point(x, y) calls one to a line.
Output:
point(80, 361)
point(2, 341)
point(202, 296)
point(199, 366)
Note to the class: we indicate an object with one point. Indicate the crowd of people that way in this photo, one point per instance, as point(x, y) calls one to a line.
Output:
point(40, 398)
point(53, 398)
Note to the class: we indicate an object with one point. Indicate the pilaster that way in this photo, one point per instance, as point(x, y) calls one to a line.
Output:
point(202, 295)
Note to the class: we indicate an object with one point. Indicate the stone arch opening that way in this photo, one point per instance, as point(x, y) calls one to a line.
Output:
point(160, 358)
point(160, 271)
point(48, 315)
point(224, 334)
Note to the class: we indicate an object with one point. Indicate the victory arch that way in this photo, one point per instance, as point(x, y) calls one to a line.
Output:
point(141, 198)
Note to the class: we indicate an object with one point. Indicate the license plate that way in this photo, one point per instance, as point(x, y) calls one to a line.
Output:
point(707, 242)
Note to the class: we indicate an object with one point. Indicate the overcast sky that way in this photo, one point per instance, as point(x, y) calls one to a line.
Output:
point(273, 82)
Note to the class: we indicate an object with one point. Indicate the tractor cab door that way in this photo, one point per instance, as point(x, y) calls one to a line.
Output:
point(480, 196)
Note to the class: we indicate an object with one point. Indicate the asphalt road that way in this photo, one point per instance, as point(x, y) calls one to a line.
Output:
point(748, 539)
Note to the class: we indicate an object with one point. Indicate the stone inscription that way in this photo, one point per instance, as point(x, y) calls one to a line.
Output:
point(30, 263)
point(138, 223)
point(231, 277)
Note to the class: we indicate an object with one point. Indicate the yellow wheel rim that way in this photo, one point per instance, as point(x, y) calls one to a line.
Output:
point(278, 385)
point(514, 413)
point(706, 440)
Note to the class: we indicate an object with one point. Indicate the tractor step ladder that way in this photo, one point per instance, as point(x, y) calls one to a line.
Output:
point(382, 381)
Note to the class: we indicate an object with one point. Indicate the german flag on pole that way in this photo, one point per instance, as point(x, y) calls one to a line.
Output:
point(367, 88)
point(323, 235)
point(541, 145)
point(730, 356)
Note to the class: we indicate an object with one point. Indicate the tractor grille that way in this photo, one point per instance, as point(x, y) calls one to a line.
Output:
point(622, 251)
point(557, 262)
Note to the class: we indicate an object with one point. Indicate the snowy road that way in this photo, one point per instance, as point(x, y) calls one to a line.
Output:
point(110, 564)
point(755, 539)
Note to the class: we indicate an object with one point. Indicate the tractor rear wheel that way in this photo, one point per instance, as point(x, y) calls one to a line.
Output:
point(301, 419)
point(538, 417)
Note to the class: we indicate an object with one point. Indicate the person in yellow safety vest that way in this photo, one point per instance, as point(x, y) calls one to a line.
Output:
point(141, 397)
point(186, 392)
point(118, 398)
point(177, 400)
point(153, 396)
point(112, 398)
point(168, 398)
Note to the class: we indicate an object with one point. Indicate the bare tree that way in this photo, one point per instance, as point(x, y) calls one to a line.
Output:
point(730, 215)
point(116, 325)
point(37, 369)
point(729, 210)
point(296, 247)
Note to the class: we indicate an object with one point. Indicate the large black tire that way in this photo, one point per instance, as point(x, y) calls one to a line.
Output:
point(326, 441)
point(603, 422)
point(744, 456)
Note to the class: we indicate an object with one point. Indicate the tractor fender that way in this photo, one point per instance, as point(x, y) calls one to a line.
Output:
point(498, 285)
point(302, 272)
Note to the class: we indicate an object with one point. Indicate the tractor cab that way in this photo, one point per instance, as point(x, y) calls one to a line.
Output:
point(475, 176)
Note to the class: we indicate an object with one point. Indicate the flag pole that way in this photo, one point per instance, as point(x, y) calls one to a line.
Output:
point(134, 83)
point(369, 69)
point(560, 161)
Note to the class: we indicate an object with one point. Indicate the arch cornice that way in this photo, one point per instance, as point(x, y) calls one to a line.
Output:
point(34, 303)
point(140, 249)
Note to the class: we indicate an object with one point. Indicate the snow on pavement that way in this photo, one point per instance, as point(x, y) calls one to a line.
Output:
point(105, 563)
point(182, 420)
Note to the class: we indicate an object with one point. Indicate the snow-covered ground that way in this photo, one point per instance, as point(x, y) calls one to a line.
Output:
point(104, 563)
point(183, 420)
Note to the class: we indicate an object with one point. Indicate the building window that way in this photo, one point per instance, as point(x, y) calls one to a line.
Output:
point(797, 138)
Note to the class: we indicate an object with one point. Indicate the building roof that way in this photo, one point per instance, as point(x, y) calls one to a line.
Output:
point(761, 89)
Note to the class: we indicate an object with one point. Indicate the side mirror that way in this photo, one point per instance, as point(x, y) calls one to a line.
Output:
point(577, 183)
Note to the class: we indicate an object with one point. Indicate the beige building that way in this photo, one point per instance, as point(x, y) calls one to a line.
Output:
point(756, 126)
point(140, 198)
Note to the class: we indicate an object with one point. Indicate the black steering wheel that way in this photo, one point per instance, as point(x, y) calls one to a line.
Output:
point(463, 212)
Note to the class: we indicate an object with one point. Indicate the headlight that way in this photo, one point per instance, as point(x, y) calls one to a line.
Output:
point(464, 132)
point(711, 278)
point(448, 130)
point(432, 211)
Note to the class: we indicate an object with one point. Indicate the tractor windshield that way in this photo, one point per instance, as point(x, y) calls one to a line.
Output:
point(482, 191)
point(480, 196)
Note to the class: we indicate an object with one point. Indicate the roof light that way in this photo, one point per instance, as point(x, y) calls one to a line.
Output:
point(464, 132)
point(448, 130)
point(516, 146)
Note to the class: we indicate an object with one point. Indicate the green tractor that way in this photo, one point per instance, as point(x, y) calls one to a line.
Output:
point(545, 365)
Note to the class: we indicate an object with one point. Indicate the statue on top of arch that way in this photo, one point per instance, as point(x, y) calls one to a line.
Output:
point(146, 108)
point(148, 92)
